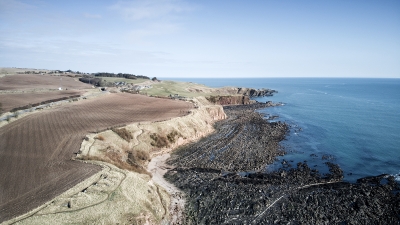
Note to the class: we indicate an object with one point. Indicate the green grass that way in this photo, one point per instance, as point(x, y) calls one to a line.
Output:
point(166, 88)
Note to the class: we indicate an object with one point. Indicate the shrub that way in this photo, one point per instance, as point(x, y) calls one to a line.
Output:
point(143, 155)
point(171, 136)
point(136, 157)
point(123, 133)
point(159, 141)
point(114, 159)
point(213, 99)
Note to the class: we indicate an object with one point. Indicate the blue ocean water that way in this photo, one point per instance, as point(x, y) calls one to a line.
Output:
point(352, 122)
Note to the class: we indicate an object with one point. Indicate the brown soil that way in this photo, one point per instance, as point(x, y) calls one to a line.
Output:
point(34, 81)
point(35, 151)
point(14, 100)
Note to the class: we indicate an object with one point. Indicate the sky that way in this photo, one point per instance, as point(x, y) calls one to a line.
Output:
point(208, 38)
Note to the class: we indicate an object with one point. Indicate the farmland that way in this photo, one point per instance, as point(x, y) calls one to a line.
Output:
point(36, 82)
point(11, 101)
point(19, 90)
point(36, 150)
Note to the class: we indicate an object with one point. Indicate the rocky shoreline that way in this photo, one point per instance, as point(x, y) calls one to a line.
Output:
point(224, 180)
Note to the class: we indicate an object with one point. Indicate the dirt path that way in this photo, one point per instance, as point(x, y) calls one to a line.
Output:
point(158, 168)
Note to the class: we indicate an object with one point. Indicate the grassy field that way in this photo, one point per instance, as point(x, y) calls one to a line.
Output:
point(185, 89)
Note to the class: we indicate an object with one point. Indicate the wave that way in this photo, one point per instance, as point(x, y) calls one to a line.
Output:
point(396, 176)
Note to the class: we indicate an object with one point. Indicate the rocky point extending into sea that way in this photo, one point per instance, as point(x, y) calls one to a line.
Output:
point(224, 180)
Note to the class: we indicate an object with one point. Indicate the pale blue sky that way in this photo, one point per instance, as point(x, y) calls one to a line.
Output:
point(177, 38)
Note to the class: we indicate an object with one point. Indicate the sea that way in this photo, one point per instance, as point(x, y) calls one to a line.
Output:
point(352, 122)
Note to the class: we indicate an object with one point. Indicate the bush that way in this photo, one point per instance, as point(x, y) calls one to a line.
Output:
point(171, 136)
point(159, 141)
point(143, 155)
point(124, 134)
point(212, 99)
point(135, 157)
point(93, 81)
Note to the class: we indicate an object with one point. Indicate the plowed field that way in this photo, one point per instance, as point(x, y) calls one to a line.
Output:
point(34, 81)
point(35, 151)
point(10, 101)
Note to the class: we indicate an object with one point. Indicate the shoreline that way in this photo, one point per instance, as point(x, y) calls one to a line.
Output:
point(219, 177)
point(220, 192)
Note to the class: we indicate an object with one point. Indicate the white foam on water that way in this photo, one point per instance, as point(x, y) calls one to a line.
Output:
point(396, 177)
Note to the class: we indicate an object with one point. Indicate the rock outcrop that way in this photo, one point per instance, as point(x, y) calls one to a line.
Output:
point(240, 96)
point(230, 100)
point(251, 92)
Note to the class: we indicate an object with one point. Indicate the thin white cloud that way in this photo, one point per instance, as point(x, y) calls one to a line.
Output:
point(92, 16)
point(152, 9)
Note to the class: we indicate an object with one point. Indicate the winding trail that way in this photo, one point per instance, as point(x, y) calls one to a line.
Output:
point(158, 168)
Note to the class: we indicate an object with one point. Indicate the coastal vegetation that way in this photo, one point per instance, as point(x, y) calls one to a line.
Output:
point(120, 75)
point(123, 133)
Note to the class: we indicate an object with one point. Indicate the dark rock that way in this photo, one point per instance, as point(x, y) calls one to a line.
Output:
point(245, 144)
point(255, 92)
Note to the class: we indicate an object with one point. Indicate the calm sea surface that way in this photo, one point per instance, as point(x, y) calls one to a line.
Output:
point(352, 122)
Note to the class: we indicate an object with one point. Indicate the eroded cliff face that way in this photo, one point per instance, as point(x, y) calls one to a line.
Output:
point(152, 138)
point(147, 140)
point(239, 96)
